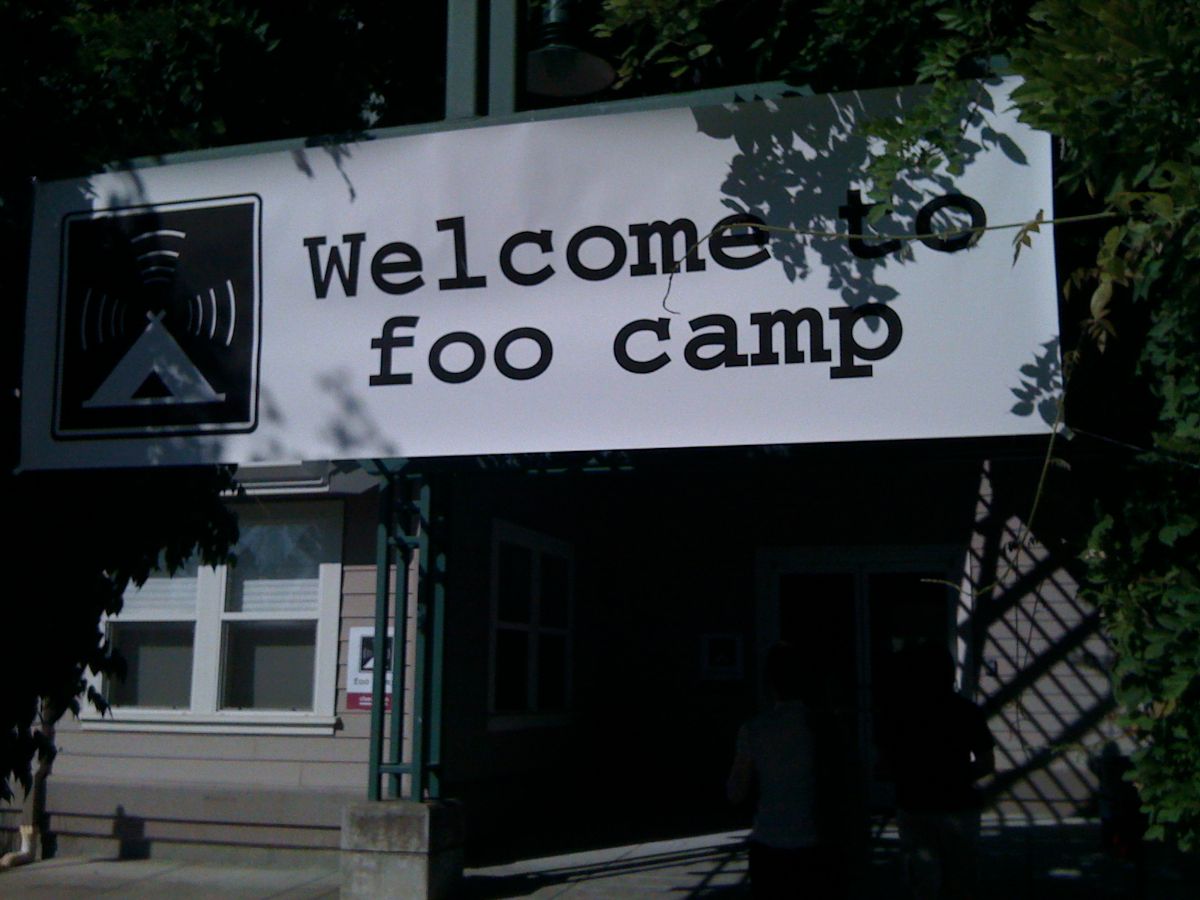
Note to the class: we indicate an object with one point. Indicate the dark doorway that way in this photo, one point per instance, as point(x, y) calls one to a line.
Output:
point(850, 611)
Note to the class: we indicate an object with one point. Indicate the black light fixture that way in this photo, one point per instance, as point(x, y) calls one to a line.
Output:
point(559, 67)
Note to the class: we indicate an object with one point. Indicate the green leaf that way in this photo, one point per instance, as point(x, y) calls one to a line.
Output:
point(1101, 297)
point(1161, 205)
point(1172, 532)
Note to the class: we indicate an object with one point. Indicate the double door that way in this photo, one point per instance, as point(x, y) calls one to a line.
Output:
point(850, 612)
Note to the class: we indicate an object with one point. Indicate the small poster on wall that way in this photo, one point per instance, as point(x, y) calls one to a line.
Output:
point(360, 668)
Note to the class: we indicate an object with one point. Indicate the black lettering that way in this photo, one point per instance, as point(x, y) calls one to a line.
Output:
point(461, 279)
point(602, 232)
point(386, 343)
point(854, 212)
point(507, 369)
point(724, 237)
point(958, 241)
point(539, 238)
point(726, 339)
point(661, 328)
point(791, 321)
point(348, 275)
point(849, 349)
point(395, 258)
point(441, 373)
point(666, 234)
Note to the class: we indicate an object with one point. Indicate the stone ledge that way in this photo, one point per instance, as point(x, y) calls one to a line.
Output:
point(401, 849)
point(402, 826)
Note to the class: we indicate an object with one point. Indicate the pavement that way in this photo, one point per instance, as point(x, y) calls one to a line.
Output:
point(1062, 862)
point(67, 878)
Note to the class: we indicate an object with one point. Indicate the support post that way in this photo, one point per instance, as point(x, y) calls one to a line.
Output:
point(435, 584)
point(383, 544)
point(502, 57)
point(406, 848)
point(421, 648)
point(405, 544)
point(462, 59)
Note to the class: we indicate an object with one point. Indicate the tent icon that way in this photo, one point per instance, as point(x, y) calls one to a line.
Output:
point(159, 320)
point(154, 371)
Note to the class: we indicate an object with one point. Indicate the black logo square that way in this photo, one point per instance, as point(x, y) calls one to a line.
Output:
point(159, 320)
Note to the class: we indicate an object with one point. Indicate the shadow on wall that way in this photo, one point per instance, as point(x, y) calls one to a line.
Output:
point(130, 832)
point(1039, 661)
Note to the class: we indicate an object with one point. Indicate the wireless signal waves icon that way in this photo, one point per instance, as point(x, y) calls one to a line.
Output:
point(159, 320)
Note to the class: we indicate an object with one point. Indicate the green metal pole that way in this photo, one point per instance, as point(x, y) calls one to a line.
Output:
point(383, 546)
point(437, 585)
point(405, 544)
point(462, 59)
point(420, 650)
point(502, 57)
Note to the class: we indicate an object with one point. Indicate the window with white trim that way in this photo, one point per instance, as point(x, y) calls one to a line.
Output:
point(531, 624)
point(251, 641)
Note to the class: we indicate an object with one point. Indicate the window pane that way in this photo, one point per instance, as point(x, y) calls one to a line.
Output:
point(555, 584)
point(293, 595)
point(268, 665)
point(278, 560)
point(159, 660)
point(552, 672)
point(164, 594)
point(515, 588)
point(512, 671)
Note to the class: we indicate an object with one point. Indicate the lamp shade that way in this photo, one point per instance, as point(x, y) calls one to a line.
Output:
point(559, 67)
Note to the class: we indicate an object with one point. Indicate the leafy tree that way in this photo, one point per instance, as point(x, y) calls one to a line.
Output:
point(1114, 82)
point(1110, 79)
point(83, 85)
point(76, 85)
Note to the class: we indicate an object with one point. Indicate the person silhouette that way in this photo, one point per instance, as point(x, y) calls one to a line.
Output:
point(940, 746)
point(775, 763)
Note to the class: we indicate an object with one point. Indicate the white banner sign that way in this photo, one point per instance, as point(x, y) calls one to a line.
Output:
point(505, 289)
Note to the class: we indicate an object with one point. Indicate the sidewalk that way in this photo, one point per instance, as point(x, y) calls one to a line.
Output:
point(69, 878)
point(1060, 862)
point(705, 866)
point(1055, 862)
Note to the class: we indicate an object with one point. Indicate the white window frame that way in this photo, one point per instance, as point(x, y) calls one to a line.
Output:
point(209, 615)
point(538, 543)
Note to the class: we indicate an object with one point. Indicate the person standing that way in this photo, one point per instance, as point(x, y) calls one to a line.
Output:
point(775, 764)
point(940, 746)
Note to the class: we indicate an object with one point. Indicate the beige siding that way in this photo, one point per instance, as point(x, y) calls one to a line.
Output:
point(98, 771)
point(184, 820)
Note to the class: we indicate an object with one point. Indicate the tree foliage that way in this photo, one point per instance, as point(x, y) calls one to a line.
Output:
point(1114, 82)
point(1111, 79)
point(84, 85)
point(76, 87)
point(80, 540)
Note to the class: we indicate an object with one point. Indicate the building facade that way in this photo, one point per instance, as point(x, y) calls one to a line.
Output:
point(605, 623)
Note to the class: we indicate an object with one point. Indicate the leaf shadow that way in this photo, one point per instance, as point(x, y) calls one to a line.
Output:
point(801, 165)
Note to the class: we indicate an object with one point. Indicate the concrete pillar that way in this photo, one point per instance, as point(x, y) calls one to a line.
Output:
point(402, 849)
